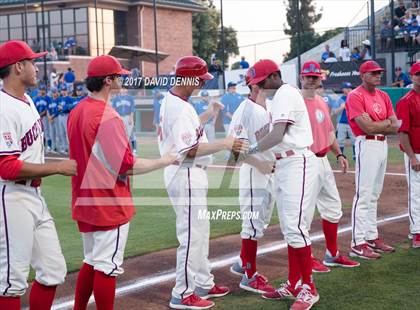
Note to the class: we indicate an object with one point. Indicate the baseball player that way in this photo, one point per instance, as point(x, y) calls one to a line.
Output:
point(343, 127)
point(79, 96)
point(27, 232)
point(295, 178)
point(64, 106)
point(101, 197)
point(328, 200)
point(52, 114)
point(124, 105)
point(408, 111)
point(251, 121)
point(181, 131)
point(42, 102)
point(231, 100)
point(201, 107)
point(371, 117)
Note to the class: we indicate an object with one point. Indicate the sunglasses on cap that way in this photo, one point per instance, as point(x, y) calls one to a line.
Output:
point(311, 70)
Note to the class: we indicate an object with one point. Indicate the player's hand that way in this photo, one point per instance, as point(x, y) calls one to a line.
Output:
point(343, 163)
point(215, 107)
point(415, 164)
point(67, 167)
point(240, 146)
point(265, 166)
point(169, 158)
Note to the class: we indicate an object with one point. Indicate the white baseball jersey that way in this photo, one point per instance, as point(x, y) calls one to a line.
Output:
point(180, 129)
point(251, 121)
point(21, 129)
point(288, 106)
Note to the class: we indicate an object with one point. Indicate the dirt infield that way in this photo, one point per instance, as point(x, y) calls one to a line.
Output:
point(393, 202)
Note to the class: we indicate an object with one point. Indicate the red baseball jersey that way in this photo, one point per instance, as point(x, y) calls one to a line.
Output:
point(322, 127)
point(408, 111)
point(378, 105)
point(101, 196)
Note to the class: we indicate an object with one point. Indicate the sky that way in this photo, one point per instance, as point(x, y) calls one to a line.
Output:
point(258, 21)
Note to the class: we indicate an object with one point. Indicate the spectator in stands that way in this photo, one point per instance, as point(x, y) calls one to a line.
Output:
point(69, 79)
point(231, 100)
point(243, 63)
point(402, 79)
point(326, 53)
point(331, 58)
point(53, 54)
point(344, 53)
point(157, 101)
point(366, 52)
point(70, 46)
point(386, 34)
point(400, 10)
point(414, 32)
point(355, 54)
point(414, 9)
point(35, 46)
point(215, 67)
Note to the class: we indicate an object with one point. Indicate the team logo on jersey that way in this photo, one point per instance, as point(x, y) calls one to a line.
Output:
point(187, 138)
point(377, 108)
point(7, 136)
point(320, 117)
point(238, 129)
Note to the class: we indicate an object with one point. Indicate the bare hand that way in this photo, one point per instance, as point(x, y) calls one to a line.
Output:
point(265, 166)
point(366, 116)
point(67, 167)
point(415, 164)
point(215, 107)
point(240, 145)
point(169, 158)
point(343, 163)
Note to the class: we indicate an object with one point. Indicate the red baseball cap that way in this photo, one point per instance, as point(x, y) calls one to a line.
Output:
point(311, 68)
point(105, 65)
point(14, 51)
point(370, 66)
point(262, 70)
point(415, 68)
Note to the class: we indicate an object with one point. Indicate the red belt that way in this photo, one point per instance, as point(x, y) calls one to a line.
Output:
point(177, 163)
point(31, 183)
point(286, 154)
point(373, 137)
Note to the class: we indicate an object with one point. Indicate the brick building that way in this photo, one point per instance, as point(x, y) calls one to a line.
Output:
point(71, 31)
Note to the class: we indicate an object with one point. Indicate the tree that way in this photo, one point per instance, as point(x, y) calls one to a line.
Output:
point(308, 17)
point(206, 34)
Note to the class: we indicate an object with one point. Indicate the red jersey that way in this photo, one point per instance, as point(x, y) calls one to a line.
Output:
point(98, 142)
point(378, 105)
point(408, 111)
point(323, 132)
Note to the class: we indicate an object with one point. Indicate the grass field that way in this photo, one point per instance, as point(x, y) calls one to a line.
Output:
point(153, 228)
point(389, 283)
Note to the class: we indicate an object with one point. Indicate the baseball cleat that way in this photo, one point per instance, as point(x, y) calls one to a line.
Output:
point(215, 291)
point(193, 302)
point(317, 267)
point(416, 241)
point(237, 269)
point(257, 284)
point(378, 245)
point(363, 251)
point(285, 291)
point(306, 298)
point(339, 261)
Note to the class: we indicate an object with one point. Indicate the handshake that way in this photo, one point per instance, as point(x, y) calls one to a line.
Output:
point(239, 147)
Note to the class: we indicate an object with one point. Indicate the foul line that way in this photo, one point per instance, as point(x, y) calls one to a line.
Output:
point(144, 282)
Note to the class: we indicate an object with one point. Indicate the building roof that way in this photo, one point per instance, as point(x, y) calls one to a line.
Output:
point(176, 3)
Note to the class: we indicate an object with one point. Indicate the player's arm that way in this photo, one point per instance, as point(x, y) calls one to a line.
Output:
point(142, 165)
point(212, 110)
point(13, 169)
point(228, 143)
point(371, 127)
point(273, 138)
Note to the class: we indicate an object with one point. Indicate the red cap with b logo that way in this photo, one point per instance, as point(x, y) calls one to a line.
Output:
point(261, 70)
